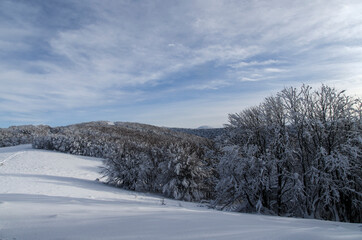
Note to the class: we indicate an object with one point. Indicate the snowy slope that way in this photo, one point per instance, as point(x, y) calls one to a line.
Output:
point(49, 195)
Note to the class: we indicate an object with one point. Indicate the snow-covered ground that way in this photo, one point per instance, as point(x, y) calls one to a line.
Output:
point(50, 195)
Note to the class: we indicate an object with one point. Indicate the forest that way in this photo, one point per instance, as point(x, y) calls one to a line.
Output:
point(298, 153)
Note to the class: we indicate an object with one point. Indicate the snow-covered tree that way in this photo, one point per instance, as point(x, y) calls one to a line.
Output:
point(185, 172)
point(141, 157)
point(298, 153)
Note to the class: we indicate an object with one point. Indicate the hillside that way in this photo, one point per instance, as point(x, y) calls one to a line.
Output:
point(49, 195)
point(25, 134)
point(210, 133)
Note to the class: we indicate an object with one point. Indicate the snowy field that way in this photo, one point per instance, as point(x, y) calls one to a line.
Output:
point(49, 195)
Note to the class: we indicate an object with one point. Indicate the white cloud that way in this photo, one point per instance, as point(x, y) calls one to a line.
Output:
point(212, 84)
point(243, 64)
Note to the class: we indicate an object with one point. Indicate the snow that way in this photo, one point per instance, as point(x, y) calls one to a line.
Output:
point(50, 195)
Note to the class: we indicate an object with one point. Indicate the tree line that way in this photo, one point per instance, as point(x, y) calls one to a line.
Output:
point(298, 153)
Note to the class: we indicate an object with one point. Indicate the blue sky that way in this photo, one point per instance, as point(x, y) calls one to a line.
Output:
point(169, 63)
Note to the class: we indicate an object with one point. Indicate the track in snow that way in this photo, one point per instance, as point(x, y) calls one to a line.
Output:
point(10, 157)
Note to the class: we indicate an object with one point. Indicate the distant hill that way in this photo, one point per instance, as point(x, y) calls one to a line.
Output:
point(204, 127)
point(24, 134)
point(203, 131)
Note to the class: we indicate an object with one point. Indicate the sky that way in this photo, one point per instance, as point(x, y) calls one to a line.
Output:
point(169, 63)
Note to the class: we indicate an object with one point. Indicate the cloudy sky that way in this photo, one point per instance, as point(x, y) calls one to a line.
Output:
point(168, 62)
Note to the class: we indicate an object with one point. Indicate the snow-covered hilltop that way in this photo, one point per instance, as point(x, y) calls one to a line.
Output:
point(49, 195)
